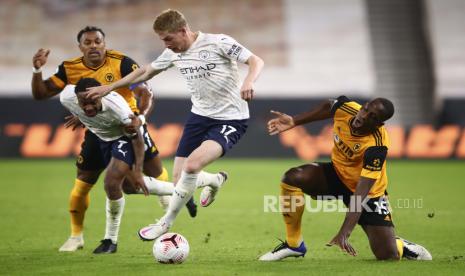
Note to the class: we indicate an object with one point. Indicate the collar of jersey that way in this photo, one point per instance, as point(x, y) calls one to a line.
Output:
point(199, 37)
point(96, 68)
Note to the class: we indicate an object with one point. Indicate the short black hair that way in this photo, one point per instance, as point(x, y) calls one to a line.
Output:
point(388, 109)
point(84, 83)
point(89, 29)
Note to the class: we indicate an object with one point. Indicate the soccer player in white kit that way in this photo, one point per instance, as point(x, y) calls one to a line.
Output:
point(219, 111)
point(124, 153)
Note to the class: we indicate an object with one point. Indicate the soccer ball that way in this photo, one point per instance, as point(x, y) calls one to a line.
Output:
point(171, 248)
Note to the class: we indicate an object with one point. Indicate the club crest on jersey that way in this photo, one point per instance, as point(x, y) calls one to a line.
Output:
point(336, 138)
point(109, 77)
point(357, 147)
point(204, 54)
point(80, 159)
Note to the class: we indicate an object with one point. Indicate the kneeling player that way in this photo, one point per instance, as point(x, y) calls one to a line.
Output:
point(357, 173)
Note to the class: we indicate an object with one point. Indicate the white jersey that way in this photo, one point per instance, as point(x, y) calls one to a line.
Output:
point(210, 69)
point(107, 124)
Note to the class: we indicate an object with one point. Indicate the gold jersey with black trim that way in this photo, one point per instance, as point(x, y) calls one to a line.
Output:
point(354, 156)
point(115, 67)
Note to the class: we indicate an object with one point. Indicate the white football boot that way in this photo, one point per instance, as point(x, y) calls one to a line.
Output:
point(72, 244)
point(153, 231)
point(413, 251)
point(283, 251)
point(208, 194)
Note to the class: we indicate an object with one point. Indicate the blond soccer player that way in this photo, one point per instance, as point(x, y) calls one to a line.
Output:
point(219, 113)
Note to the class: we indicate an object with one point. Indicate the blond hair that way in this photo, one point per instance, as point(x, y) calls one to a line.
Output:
point(169, 21)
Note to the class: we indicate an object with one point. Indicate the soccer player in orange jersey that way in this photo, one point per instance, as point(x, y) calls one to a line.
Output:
point(356, 174)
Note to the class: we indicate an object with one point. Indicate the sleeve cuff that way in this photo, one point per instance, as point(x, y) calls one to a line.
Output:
point(58, 82)
point(370, 174)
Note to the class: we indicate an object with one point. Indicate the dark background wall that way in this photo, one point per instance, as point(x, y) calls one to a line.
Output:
point(20, 118)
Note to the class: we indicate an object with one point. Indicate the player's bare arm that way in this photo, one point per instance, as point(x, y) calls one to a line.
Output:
point(283, 122)
point(352, 216)
point(255, 67)
point(42, 89)
point(144, 98)
point(139, 75)
point(136, 172)
point(134, 126)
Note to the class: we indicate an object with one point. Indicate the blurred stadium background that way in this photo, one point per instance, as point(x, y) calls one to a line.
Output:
point(408, 51)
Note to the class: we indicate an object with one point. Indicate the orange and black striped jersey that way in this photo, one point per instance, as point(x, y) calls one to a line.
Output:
point(354, 156)
point(115, 67)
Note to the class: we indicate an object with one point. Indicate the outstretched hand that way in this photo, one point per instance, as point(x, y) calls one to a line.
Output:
point(342, 241)
point(97, 92)
point(281, 123)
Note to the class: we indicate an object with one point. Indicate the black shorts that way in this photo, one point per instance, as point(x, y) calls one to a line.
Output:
point(122, 149)
point(198, 129)
point(90, 158)
point(377, 211)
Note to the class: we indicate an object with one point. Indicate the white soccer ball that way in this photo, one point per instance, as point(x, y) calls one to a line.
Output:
point(171, 248)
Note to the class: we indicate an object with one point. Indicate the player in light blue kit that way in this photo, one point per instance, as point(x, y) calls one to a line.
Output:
point(219, 111)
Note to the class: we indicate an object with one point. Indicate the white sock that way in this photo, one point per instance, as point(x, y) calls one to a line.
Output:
point(182, 193)
point(114, 209)
point(164, 201)
point(208, 179)
point(157, 187)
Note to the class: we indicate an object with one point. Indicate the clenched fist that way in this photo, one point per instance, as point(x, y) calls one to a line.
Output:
point(40, 58)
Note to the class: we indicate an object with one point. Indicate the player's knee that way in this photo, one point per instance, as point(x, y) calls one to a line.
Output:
point(88, 176)
point(191, 166)
point(386, 255)
point(293, 177)
point(113, 190)
point(112, 183)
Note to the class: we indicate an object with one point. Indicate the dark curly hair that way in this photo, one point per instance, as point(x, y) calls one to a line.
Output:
point(89, 29)
point(84, 83)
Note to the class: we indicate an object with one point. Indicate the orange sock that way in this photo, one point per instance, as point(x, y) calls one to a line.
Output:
point(78, 203)
point(400, 247)
point(292, 206)
point(164, 176)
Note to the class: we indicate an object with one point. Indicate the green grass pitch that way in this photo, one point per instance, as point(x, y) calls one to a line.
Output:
point(227, 237)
